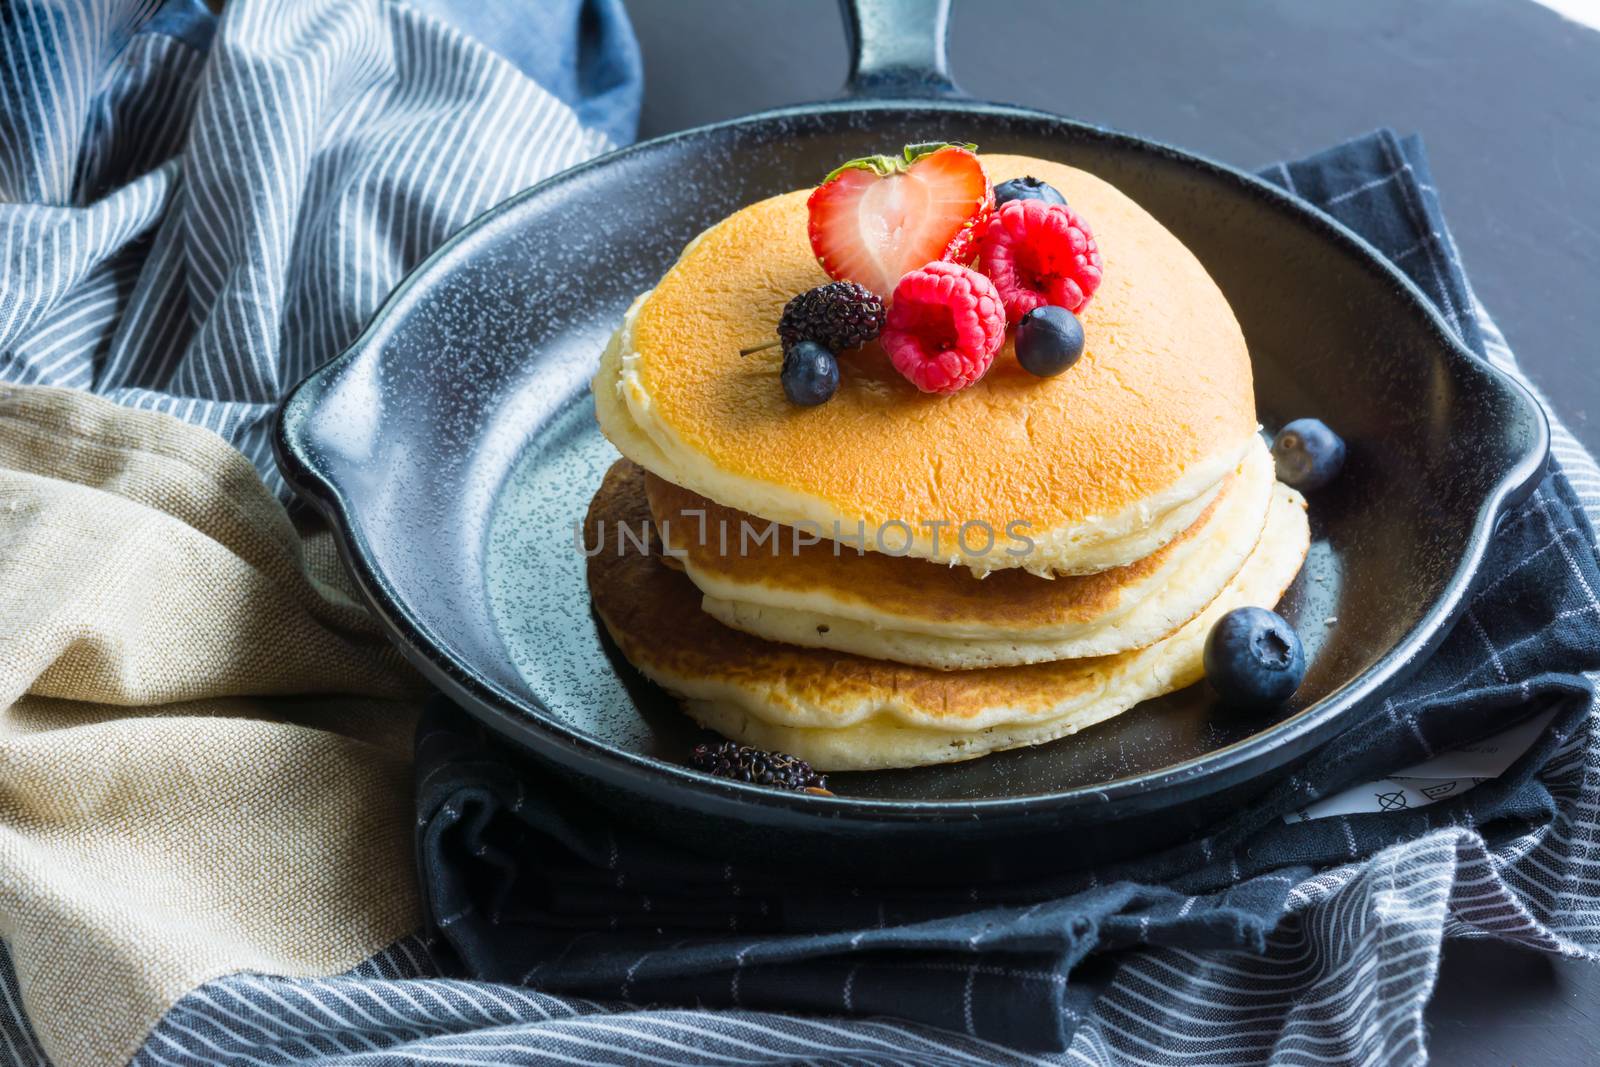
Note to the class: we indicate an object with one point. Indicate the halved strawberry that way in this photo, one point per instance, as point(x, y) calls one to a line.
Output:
point(875, 219)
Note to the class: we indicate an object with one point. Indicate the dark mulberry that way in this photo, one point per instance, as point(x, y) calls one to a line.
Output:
point(838, 316)
point(729, 759)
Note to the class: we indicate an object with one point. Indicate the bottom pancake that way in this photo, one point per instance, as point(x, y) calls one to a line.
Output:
point(844, 712)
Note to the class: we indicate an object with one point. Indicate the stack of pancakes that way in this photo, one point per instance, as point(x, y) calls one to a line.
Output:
point(893, 579)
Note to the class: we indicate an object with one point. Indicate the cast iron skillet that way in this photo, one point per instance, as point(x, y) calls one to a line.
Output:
point(453, 447)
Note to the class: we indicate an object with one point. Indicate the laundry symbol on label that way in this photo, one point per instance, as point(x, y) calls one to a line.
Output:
point(1391, 801)
point(1434, 792)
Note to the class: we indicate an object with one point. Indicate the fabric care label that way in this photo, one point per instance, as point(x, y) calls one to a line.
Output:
point(1447, 775)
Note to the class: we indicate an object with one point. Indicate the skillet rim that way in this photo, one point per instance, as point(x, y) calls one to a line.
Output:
point(1248, 758)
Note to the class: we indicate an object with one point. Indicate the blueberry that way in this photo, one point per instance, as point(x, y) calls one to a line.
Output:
point(1026, 189)
point(1308, 454)
point(1049, 340)
point(1254, 659)
point(810, 374)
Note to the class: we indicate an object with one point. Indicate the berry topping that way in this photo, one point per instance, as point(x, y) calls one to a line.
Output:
point(1254, 659)
point(1038, 254)
point(1308, 455)
point(839, 315)
point(1027, 188)
point(1049, 340)
point(810, 374)
point(945, 325)
point(874, 219)
point(728, 759)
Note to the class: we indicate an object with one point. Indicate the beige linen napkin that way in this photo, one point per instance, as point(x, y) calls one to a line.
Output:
point(204, 742)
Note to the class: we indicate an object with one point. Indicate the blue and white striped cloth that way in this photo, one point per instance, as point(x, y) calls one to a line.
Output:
point(190, 221)
point(196, 213)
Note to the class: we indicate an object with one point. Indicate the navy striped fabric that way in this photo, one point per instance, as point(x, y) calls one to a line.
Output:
point(195, 213)
point(527, 885)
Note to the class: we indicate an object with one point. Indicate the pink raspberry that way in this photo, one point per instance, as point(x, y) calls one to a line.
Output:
point(1037, 254)
point(945, 325)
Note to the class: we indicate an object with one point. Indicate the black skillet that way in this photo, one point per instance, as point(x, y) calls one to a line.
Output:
point(453, 447)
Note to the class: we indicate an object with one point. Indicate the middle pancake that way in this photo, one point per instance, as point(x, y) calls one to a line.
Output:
point(827, 594)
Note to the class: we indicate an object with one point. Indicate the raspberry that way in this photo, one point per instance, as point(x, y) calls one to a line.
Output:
point(1037, 254)
point(945, 325)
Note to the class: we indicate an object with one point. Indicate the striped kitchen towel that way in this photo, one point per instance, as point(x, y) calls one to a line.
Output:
point(1272, 938)
point(192, 225)
point(527, 885)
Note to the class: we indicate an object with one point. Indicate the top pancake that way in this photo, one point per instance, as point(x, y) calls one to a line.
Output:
point(1157, 411)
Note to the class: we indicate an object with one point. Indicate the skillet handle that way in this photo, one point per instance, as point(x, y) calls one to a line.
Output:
point(897, 49)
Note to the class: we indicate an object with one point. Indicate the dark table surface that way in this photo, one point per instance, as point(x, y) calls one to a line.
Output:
point(1506, 95)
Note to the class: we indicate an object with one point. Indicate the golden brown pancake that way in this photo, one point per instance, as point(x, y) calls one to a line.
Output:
point(844, 712)
point(1157, 411)
point(826, 594)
